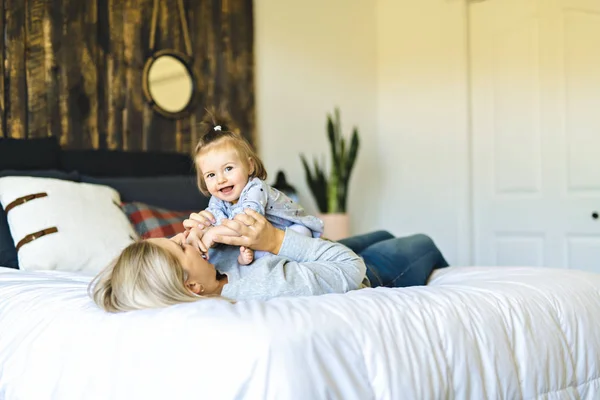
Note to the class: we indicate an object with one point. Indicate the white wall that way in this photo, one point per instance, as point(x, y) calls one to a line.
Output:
point(397, 69)
point(422, 121)
point(311, 56)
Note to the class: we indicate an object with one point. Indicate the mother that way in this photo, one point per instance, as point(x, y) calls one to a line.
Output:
point(161, 272)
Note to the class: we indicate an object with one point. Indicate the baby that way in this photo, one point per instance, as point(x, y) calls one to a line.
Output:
point(230, 171)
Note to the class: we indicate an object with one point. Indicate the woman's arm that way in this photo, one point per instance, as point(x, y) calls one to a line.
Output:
point(306, 266)
point(335, 268)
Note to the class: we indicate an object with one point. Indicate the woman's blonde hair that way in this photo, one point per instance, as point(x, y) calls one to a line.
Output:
point(216, 132)
point(143, 276)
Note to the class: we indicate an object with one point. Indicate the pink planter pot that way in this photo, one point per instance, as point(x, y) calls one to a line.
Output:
point(337, 226)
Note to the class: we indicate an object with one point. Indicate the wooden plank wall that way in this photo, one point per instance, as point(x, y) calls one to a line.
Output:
point(73, 69)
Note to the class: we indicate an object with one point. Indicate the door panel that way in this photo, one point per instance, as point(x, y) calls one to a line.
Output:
point(582, 98)
point(517, 249)
point(535, 90)
point(516, 118)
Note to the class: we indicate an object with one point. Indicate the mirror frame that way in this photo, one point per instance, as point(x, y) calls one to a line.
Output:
point(187, 63)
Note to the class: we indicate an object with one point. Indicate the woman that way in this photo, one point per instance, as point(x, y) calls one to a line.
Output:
point(161, 272)
point(397, 262)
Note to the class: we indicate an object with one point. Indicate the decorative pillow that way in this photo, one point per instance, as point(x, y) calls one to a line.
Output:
point(61, 225)
point(178, 192)
point(8, 253)
point(154, 222)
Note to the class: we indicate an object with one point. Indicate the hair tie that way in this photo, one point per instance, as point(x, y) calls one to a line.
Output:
point(217, 128)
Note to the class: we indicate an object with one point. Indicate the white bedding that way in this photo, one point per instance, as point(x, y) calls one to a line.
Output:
point(473, 333)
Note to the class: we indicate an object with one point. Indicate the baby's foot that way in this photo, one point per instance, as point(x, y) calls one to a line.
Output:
point(246, 256)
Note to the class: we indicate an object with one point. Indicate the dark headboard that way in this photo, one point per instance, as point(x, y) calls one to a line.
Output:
point(46, 154)
point(162, 179)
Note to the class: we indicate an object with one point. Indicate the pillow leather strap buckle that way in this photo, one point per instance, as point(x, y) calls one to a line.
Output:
point(23, 200)
point(33, 236)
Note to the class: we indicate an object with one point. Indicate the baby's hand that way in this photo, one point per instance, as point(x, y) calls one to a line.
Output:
point(202, 219)
point(246, 256)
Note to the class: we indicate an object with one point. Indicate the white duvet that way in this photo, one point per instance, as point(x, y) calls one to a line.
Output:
point(473, 333)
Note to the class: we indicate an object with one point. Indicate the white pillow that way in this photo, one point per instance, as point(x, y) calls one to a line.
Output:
point(92, 228)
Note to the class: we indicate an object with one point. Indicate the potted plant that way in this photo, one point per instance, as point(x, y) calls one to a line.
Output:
point(331, 190)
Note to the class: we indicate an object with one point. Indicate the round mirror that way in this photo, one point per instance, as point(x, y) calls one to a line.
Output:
point(169, 83)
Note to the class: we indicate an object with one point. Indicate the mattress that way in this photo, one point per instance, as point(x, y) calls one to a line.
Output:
point(472, 333)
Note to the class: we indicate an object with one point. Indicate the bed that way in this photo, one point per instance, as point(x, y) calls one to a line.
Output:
point(472, 333)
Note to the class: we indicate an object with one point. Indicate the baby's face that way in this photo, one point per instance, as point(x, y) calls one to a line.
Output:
point(224, 173)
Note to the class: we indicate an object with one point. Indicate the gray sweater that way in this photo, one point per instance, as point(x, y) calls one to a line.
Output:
point(303, 267)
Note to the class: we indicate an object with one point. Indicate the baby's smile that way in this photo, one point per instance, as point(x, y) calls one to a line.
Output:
point(226, 190)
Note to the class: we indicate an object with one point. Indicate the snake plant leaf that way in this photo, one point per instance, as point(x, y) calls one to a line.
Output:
point(353, 152)
point(331, 135)
point(331, 191)
point(338, 124)
point(343, 158)
point(316, 183)
point(306, 168)
point(321, 187)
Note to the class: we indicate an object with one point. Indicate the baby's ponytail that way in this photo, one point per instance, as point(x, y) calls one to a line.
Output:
point(214, 125)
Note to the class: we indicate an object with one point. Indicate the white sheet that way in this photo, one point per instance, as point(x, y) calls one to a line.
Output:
point(473, 333)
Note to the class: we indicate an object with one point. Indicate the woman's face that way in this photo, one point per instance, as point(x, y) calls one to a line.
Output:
point(201, 275)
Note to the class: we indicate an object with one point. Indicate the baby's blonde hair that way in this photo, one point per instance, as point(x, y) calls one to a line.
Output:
point(216, 133)
point(144, 275)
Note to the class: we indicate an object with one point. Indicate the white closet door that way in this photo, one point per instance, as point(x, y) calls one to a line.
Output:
point(535, 89)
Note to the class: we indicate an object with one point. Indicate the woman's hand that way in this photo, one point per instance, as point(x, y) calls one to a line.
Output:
point(254, 231)
point(180, 237)
point(195, 237)
point(190, 236)
point(202, 219)
point(210, 233)
point(208, 239)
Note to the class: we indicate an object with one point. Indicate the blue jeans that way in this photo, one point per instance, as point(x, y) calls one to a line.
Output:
point(397, 262)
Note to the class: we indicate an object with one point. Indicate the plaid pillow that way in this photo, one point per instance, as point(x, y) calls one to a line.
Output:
point(154, 222)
